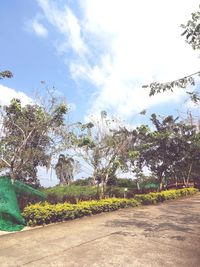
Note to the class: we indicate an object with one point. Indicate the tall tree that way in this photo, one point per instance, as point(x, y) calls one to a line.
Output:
point(30, 136)
point(170, 150)
point(65, 169)
point(99, 146)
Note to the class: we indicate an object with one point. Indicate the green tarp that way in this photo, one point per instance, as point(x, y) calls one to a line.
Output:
point(10, 216)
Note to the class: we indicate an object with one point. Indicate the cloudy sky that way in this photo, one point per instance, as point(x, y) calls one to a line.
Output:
point(97, 53)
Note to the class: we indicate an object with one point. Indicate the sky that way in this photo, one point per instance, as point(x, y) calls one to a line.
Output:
point(97, 53)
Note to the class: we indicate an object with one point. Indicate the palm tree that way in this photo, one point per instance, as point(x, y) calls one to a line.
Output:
point(65, 169)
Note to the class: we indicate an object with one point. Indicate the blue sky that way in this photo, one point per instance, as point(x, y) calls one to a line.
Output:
point(97, 53)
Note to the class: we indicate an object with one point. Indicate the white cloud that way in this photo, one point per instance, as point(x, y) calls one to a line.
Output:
point(6, 94)
point(38, 28)
point(120, 45)
point(65, 21)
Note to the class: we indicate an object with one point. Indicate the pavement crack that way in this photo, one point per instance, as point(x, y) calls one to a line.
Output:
point(65, 250)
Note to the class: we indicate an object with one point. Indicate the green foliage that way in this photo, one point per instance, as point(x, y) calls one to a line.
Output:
point(192, 30)
point(115, 191)
point(83, 182)
point(171, 150)
point(64, 169)
point(126, 182)
point(112, 180)
point(98, 145)
point(156, 87)
point(45, 213)
point(153, 198)
point(5, 74)
point(71, 193)
point(39, 214)
point(30, 136)
point(58, 114)
point(192, 36)
point(85, 142)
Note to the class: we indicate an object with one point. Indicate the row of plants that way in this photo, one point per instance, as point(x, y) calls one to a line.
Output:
point(72, 194)
point(153, 198)
point(45, 213)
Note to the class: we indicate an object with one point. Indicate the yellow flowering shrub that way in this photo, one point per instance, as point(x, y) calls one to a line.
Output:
point(153, 198)
point(44, 213)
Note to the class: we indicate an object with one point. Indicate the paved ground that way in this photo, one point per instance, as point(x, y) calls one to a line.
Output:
point(163, 235)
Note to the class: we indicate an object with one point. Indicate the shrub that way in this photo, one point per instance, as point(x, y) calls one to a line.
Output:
point(126, 182)
point(71, 194)
point(153, 198)
point(25, 199)
point(114, 191)
point(83, 182)
point(44, 213)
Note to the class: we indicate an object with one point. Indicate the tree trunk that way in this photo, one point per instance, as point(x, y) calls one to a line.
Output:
point(94, 177)
point(188, 176)
point(160, 186)
point(98, 191)
point(184, 181)
point(104, 180)
point(138, 185)
point(105, 183)
point(101, 193)
point(160, 182)
point(13, 175)
point(176, 182)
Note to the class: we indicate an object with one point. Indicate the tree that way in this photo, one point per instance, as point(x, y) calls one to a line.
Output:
point(84, 181)
point(186, 166)
point(192, 30)
point(170, 150)
point(99, 146)
point(130, 157)
point(192, 35)
point(30, 136)
point(65, 169)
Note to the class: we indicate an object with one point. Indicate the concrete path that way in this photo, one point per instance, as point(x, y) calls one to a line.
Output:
point(163, 235)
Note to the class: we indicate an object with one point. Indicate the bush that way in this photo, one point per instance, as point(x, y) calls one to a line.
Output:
point(44, 213)
point(153, 198)
point(114, 191)
point(126, 182)
point(25, 199)
point(83, 182)
point(71, 194)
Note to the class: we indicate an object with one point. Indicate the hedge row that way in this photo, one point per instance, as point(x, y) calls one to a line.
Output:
point(45, 213)
point(71, 193)
point(153, 198)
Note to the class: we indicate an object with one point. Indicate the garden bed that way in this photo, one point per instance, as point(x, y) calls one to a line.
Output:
point(45, 213)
